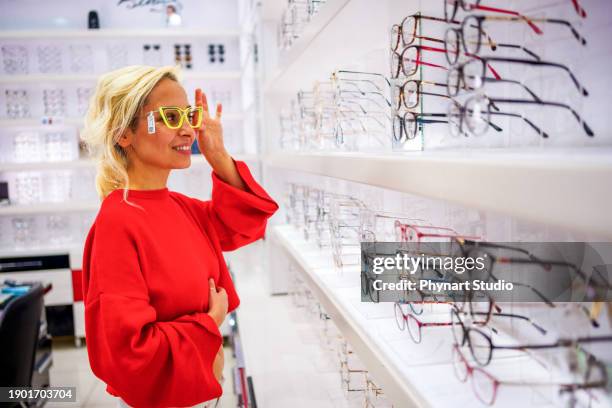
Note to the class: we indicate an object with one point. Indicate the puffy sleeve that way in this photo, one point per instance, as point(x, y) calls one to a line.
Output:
point(149, 363)
point(238, 217)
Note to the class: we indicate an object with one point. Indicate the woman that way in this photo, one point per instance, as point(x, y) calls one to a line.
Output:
point(156, 287)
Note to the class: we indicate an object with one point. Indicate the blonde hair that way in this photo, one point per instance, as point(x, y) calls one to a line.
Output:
point(114, 107)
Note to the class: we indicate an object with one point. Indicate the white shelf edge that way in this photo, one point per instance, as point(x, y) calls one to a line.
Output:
point(34, 166)
point(42, 208)
point(11, 79)
point(109, 32)
point(91, 163)
point(565, 190)
point(401, 393)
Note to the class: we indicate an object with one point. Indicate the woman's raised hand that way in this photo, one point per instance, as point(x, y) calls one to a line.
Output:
point(210, 133)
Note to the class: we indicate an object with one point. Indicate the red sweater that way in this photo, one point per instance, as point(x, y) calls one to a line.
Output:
point(145, 287)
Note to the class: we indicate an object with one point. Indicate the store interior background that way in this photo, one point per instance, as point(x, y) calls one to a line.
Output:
point(302, 336)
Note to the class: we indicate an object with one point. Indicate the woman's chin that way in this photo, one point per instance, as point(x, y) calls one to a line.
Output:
point(184, 163)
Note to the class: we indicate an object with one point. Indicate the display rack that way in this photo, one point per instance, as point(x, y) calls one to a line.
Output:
point(411, 375)
point(220, 77)
point(518, 178)
point(313, 56)
point(545, 187)
point(49, 208)
point(355, 330)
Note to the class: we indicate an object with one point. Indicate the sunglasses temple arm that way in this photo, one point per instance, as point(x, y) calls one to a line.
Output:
point(537, 292)
point(486, 62)
point(530, 123)
point(365, 73)
point(571, 74)
point(534, 27)
point(526, 347)
point(421, 62)
point(579, 9)
point(492, 44)
point(512, 81)
point(442, 20)
point(522, 48)
point(536, 326)
point(440, 84)
point(426, 121)
point(430, 39)
point(585, 126)
point(569, 25)
point(435, 94)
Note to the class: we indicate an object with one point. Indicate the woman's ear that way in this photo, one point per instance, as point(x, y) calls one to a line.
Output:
point(125, 139)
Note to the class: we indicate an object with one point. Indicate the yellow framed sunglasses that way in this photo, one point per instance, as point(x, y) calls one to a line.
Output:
point(174, 116)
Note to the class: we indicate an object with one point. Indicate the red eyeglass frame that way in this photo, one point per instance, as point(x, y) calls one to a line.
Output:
point(419, 61)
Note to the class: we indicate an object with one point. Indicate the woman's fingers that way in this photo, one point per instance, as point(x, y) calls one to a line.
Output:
point(205, 106)
point(219, 111)
point(198, 102)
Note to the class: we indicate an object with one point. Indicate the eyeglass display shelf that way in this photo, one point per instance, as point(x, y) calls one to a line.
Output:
point(4, 123)
point(196, 159)
point(555, 187)
point(118, 33)
point(37, 78)
point(342, 30)
point(43, 208)
point(410, 374)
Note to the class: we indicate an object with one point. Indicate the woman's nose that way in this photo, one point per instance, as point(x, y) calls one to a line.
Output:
point(187, 130)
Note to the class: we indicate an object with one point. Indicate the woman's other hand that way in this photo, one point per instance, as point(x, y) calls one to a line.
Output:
point(217, 303)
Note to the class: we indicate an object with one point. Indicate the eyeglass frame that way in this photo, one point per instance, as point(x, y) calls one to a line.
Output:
point(487, 105)
point(559, 343)
point(401, 92)
point(469, 372)
point(184, 112)
point(476, 6)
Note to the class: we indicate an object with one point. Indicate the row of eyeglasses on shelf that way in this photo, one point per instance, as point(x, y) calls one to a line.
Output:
point(295, 17)
point(28, 145)
point(358, 110)
point(23, 102)
point(23, 57)
point(44, 230)
point(340, 223)
point(53, 186)
point(469, 71)
point(358, 386)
